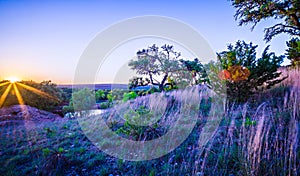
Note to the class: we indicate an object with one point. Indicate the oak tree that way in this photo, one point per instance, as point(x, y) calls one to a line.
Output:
point(287, 12)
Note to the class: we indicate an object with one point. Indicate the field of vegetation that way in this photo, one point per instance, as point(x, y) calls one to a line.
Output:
point(257, 137)
point(238, 115)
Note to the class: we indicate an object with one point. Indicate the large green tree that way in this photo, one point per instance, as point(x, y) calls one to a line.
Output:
point(286, 11)
point(158, 63)
point(164, 69)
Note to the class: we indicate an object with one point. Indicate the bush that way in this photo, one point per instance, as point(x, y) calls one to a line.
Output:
point(104, 105)
point(82, 99)
point(129, 96)
point(134, 126)
point(100, 95)
point(244, 74)
point(67, 109)
point(293, 52)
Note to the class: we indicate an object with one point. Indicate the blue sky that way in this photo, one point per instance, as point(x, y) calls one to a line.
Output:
point(43, 40)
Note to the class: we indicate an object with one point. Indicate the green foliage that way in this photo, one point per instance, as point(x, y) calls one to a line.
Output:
point(82, 99)
point(156, 62)
point(55, 162)
point(165, 69)
point(196, 70)
point(100, 95)
point(60, 150)
point(152, 173)
point(67, 109)
point(104, 105)
point(171, 85)
point(293, 51)
point(244, 74)
point(46, 151)
point(129, 96)
point(134, 125)
point(253, 11)
point(117, 94)
point(153, 90)
point(249, 122)
point(138, 81)
point(66, 94)
point(110, 98)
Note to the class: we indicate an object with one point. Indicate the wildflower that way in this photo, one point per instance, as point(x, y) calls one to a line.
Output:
point(238, 73)
point(224, 75)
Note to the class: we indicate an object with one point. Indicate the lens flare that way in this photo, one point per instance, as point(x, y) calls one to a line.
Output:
point(4, 95)
point(3, 84)
point(36, 91)
point(18, 95)
point(13, 79)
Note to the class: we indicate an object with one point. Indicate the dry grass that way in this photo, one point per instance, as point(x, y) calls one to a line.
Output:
point(259, 140)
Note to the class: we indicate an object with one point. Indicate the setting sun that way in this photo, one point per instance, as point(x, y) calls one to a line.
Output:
point(13, 79)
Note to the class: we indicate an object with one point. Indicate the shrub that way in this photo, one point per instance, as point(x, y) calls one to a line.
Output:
point(129, 96)
point(134, 124)
point(104, 105)
point(100, 95)
point(82, 99)
point(55, 162)
point(67, 109)
point(293, 52)
point(244, 74)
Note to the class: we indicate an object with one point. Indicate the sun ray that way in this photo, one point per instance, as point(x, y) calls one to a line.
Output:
point(4, 95)
point(36, 91)
point(21, 102)
point(18, 95)
point(3, 84)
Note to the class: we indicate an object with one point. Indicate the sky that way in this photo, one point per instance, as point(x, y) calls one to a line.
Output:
point(44, 40)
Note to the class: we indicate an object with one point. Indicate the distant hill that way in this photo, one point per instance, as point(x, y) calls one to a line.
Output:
point(96, 86)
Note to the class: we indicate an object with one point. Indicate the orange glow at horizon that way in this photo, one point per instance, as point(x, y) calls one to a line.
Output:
point(3, 97)
point(13, 79)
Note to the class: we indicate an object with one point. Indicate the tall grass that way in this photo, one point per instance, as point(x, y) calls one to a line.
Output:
point(258, 140)
point(260, 137)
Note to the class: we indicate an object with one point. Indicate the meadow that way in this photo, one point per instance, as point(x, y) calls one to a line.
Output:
point(257, 137)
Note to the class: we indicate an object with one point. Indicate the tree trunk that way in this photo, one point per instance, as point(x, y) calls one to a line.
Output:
point(161, 85)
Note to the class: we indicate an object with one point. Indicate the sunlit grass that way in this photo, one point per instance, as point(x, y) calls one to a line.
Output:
point(18, 95)
point(15, 83)
point(3, 84)
point(36, 91)
point(4, 95)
